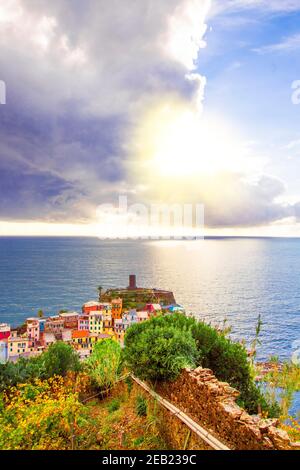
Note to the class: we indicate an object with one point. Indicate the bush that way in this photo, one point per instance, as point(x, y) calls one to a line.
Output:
point(42, 415)
point(154, 351)
point(59, 359)
point(141, 406)
point(24, 370)
point(150, 355)
point(104, 366)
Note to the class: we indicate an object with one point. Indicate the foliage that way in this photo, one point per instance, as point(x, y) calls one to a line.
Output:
point(40, 314)
point(155, 350)
point(256, 342)
point(42, 415)
point(114, 405)
point(292, 426)
point(160, 348)
point(24, 370)
point(286, 378)
point(59, 359)
point(104, 366)
point(141, 406)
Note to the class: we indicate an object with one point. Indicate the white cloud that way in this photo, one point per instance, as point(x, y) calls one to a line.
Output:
point(220, 6)
point(288, 44)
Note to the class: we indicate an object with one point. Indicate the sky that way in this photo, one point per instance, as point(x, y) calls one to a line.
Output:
point(173, 101)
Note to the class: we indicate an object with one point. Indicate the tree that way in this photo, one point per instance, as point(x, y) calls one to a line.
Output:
point(105, 364)
point(40, 314)
point(157, 351)
point(59, 359)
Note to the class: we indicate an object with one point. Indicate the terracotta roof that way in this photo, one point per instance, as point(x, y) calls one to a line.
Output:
point(80, 334)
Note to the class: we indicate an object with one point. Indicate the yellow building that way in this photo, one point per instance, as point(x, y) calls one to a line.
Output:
point(108, 327)
point(83, 340)
point(96, 322)
point(18, 346)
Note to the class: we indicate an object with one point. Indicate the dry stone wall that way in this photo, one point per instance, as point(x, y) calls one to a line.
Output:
point(212, 404)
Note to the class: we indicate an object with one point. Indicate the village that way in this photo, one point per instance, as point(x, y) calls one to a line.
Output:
point(100, 320)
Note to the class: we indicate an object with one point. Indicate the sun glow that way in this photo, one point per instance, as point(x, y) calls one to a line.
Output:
point(175, 141)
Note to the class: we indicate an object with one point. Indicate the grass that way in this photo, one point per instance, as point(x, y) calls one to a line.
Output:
point(118, 426)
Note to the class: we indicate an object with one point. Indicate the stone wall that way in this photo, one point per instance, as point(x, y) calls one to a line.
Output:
point(212, 404)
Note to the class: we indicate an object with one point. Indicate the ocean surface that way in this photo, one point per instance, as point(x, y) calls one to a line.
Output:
point(231, 279)
point(226, 278)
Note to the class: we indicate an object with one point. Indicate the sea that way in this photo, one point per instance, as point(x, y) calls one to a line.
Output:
point(224, 281)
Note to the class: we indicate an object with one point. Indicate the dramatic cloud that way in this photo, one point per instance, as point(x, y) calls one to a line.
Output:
point(81, 76)
point(77, 77)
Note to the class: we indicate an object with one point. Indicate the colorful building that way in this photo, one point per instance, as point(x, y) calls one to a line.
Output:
point(142, 316)
point(48, 339)
point(54, 325)
point(119, 330)
point(153, 308)
point(83, 340)
point(95, 306)
point(129, 319)
point(96, 322)
point(4, 331)
point(66, 335)
point(18, 346)
point(83, 322)
point(116, 309)
point(108, 327)
point(33, 330)
point(70, 319)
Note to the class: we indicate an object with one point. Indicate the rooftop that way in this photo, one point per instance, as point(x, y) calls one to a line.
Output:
point(95, 303)
point(69, 314)
point(76, 334)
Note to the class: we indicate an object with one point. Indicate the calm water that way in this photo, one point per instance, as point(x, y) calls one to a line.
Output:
point(215, 278)
point(228, 278)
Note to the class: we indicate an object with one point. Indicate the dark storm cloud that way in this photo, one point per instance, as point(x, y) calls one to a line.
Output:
point(77, 75)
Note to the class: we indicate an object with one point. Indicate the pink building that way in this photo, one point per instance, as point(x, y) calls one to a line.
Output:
point(142, 316)
point(54, 325)
point(83, 322)
point(33, 330)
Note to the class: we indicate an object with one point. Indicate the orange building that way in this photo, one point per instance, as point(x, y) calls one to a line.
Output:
point(116, 309)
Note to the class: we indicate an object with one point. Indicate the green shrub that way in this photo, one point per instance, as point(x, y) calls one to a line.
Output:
point(59, 359)
point(154, 351)
point(150, 356)
point(22, 371)
point(114, 405)
point(141, 406)
point(104, 366)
